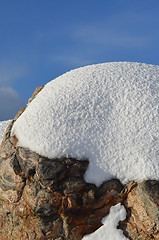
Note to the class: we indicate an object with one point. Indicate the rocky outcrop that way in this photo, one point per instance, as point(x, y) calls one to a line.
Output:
point(43, 198)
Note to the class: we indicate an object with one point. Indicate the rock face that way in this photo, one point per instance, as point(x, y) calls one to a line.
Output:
point(43, 198)
point(142, 204)
point(48, 198)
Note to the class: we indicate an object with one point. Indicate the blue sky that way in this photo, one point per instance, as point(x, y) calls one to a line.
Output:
point(42, 39)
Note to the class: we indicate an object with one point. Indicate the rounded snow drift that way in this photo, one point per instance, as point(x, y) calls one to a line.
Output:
point(106, 113)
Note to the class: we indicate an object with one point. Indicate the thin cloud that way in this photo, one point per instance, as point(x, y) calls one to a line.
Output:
point(118, 30)
point(112, 38)
point(10, 103)
point(71, 59)
point(10, 72)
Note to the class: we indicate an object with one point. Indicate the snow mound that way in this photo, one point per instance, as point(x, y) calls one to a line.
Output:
point(109, 229)
point(3, 126)
point(107, 113)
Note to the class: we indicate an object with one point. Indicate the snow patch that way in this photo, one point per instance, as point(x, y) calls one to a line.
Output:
point(109, 229)
point(3, 126)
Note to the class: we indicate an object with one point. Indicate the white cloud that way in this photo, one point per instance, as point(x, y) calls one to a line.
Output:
point(10, 103)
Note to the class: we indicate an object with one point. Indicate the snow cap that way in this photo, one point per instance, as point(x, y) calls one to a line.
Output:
point(106, 113)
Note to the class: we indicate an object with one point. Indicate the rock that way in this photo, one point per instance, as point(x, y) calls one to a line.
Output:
point(43, 198)
point(142, 204)
point(37, 90)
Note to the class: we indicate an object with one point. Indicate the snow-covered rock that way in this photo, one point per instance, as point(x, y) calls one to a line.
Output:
point(106, 113)
point(51, 197)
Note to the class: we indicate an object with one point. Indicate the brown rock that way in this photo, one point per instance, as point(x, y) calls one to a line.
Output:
point(43, 198)
point(37, 90)
point(142, 204)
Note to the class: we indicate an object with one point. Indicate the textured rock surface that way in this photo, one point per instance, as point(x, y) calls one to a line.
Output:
point(48, 198)
point(44, 198)
point(142, 205)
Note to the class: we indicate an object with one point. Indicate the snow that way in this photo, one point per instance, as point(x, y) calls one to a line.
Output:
point(107, 113)
point(109, 229)
point(3, 126)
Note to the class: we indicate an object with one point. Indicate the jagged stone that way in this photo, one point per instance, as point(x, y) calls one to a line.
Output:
point(49, 194)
